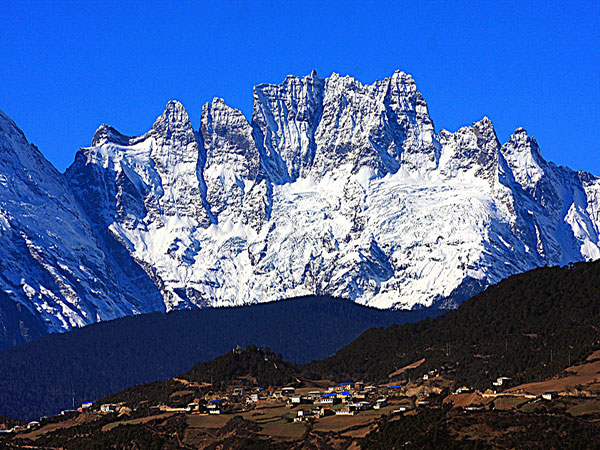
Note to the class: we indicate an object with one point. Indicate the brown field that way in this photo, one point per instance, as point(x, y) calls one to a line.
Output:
point(405, 368)
point(360, 433)
point(586, 375)
point(592, 407)
point(112, 425)
point(336, 423)
point(505, 403)
point(202, 421)
point(284, 429)
point(33, 435)
point(466, 399)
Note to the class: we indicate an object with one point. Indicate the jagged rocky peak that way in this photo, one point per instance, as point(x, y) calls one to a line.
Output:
point(177, 157)
point(523, 156)
point(174, 124)
point(233, 162)
point(487, 142)
point(381, 126)
point(8, 126)
point(315, 126)
point(228, 140)
point(106, 133)
point(285, 117)
point(475, 147)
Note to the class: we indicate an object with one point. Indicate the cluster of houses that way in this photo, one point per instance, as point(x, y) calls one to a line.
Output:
point(345, 399)
point(353, 397)
point(350, 398)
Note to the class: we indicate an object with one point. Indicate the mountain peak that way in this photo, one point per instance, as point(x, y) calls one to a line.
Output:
point(106, 133)
point(401, 75)
point(522, 143)
point(174, 113)
point(173, 121)
point(484, 129)
point(9, 126)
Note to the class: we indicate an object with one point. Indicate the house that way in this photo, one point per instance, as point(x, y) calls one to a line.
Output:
point(549, 395)
point(305, 412)
point(343, 394)
point(345, 411)
point(361, 395)
point(33, 424)
point(345, 386)
point(87, 405)
point(500, 381)
point(329, 399)
point(380, 403)
point(314, 395)
point(215, 407)
point(426, 377)
point(107, 408)
point(299, 400)
point(288, 391)
point(463, 390)
point(361, 406)
point(254, 398)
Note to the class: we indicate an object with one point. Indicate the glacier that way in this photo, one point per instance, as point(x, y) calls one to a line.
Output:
point(333, 187)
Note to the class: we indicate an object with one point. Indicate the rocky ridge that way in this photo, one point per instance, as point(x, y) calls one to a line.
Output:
point(334, 187)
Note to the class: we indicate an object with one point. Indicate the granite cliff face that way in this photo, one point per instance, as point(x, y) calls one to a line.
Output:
point(334, 187)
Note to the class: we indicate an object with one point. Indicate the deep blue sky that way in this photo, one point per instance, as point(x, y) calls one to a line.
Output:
point(67, 67)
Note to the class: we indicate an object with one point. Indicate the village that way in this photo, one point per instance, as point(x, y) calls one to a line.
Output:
point(347, 406)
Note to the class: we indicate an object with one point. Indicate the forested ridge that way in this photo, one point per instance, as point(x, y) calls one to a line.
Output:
point(527, 327)
point(46, 375)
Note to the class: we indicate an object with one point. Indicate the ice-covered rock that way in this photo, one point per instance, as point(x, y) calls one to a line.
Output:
point(334, 187)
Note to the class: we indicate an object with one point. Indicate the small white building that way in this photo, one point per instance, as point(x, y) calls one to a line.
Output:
point(463, 390)
point(500, 381)
point(549, 395)
point(288, 391)
point(329, 399)
point(314, 394)
point(107, 408)
point(380, 403)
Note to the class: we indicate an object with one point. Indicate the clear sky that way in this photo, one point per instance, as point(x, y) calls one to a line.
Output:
point(67, 67)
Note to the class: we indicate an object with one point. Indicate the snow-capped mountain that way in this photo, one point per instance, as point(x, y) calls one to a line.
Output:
point(334, 187)
point(55, 270)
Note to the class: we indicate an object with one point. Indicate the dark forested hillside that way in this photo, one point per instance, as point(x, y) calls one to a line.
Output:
point(264, 366)
point(44, 376)
point(527, 327)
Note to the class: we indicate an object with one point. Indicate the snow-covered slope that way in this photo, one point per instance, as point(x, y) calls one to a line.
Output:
point(335, 187)
point(55, 273)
